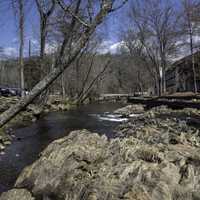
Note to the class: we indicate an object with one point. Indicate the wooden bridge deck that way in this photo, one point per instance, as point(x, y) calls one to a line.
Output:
point(177, 102)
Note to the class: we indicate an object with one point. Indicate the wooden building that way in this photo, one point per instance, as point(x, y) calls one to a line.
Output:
point(179, 77)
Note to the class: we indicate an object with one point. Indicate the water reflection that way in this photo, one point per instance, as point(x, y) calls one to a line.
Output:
point(30, 141)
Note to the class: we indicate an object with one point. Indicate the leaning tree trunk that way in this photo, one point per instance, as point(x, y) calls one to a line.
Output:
point(59, 68)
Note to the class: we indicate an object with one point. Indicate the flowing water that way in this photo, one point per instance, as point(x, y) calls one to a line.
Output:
point(31, 140)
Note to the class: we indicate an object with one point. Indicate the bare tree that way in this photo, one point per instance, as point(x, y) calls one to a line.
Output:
point(143, 56)
point(155, 25)
point(85, 91)
point(76, 81)
point(45, 9)
point(190, 29)
point(19, 10)
point(21, 48)
point(63, 61)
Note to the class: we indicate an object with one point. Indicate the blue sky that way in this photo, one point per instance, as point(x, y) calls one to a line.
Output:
point(8, 25)
point(9, 35)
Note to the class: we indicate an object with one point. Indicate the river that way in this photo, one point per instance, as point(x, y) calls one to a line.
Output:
point(31, 140)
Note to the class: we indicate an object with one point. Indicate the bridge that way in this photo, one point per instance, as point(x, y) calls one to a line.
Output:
point(118, 97)
point(179, 101)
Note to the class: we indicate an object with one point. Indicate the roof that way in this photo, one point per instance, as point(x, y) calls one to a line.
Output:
point(186, 58)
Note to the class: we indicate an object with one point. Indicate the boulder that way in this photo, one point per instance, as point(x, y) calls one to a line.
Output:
point(17, 194)
point(35, 110)
point(88, 166)
point(130, 110)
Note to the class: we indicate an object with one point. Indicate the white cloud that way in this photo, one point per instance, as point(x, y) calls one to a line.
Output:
point(104, 47)
point(51, 48)
point(10, 52)
point(34, 42)
point(116, 46)
point(109, 46)
point(184, 47)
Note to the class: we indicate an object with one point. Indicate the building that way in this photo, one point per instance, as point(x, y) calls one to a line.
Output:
point(179, 77)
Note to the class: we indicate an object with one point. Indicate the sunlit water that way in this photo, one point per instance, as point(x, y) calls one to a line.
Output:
point(31, 140)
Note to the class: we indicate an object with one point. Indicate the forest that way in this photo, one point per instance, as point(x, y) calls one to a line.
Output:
point(153, 36)
point(99, 99)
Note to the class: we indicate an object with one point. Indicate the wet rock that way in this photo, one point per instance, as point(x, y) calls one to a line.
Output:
point(2, 153)
point(58, 103)
point(162, 191)
point(130, 109)
point(196, 195)
point(24, 118)
point(88, 166)
point(188, 176)
point(156, 156)
point(17, 194)
point(7, 142)
point(35, 110)
point(2, 147)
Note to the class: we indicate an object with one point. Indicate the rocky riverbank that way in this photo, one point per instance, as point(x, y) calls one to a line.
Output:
point(31, 114)
point(155, 156)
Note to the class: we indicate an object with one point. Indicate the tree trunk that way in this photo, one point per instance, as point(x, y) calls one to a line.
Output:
point(63, 85)
point(5, 117)
point(159, 86)
point(193, 64)
point(164, 65)
point(43, 27)
point(191, 51)
point(21, 49)
point(164, 80)
point(29, 49)
point(83, 96)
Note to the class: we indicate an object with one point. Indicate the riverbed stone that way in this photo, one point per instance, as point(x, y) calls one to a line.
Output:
point(130, 110)
point(17, 194)
point(85, 165)
point(2, 147)
point(35, 110)
point(154, 156)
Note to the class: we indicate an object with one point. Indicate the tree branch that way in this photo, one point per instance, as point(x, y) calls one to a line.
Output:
point(120, 6)
point(67, 9)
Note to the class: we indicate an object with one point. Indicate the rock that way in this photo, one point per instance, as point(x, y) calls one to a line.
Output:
point(157, 156)
point(85, 165)
point(17, 194)
point(188, 177)
point(35, 110)
point(196, 196)
point(171, 174)
point(130, 109)
point(7, 142)
point(162, 191)
point(2, 147)
point(63, 107)
point(138, 192)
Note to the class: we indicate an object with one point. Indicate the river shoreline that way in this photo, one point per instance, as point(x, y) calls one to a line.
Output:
point(30, 115)
point(31, 140)
point(155, 154)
